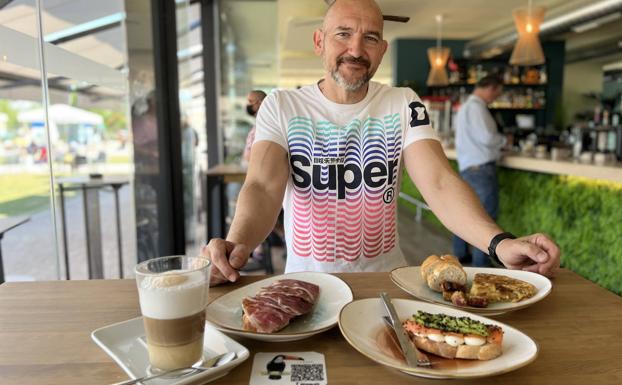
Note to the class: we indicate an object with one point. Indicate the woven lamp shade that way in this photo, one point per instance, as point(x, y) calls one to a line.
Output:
point(528, 50)
point(438, 59)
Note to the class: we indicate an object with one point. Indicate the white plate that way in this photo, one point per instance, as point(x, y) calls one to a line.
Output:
point(225, 313)
point(362, 326)
point(409, 279)
point(125, 343)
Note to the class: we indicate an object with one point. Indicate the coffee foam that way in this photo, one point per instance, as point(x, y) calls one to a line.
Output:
point(173, 294)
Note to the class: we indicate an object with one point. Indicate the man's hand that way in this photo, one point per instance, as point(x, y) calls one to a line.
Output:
point(536, 253)
point(227, 258)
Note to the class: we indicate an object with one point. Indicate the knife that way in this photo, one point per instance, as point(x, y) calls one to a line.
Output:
point(402, 338)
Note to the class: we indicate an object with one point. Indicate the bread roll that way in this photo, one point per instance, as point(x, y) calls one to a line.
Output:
point(435, 270)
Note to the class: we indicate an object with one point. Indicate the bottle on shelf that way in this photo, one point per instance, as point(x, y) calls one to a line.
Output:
point(481, 72)
point(515, 75)
point(597, 112)
point(531, 76)
point(463, 95)
point(507, 75)
point(605, 117)
point(611, 140)
point(543, 75)
point(472, 75)
point(454, 71)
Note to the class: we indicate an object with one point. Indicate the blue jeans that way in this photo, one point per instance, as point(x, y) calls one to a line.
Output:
point(483, 180)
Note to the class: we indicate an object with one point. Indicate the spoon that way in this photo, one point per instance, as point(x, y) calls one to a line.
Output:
point(214, 362)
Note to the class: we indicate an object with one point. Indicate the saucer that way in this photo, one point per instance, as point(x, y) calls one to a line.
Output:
point(125, 343)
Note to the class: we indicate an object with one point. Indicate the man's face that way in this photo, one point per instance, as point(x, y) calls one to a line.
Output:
point(351, 44)
point(497, 92)
point(254, 101)
point(492, 93)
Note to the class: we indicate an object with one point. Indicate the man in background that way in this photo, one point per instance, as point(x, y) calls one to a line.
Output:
point(255, 98)
point(478, 145)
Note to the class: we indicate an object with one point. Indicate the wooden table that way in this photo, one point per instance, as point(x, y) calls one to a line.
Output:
point(45, 335)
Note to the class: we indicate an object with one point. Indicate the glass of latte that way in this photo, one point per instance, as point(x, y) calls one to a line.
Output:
point(173, 295)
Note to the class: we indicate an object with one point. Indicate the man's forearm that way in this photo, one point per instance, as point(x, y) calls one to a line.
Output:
point(255, 215)
point(457, 206)
point(451, 199)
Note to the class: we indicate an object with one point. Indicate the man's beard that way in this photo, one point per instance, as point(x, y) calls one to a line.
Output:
point(351, 86)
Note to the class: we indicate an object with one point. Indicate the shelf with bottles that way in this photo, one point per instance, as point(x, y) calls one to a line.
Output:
point(463, 72)
point(528, 98)
point(517, 108)
point(470, 86)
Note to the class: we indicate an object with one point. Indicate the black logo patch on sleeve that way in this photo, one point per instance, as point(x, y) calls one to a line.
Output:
point(418, 114)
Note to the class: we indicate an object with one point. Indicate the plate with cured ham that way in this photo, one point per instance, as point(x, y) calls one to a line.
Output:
point(285, 307)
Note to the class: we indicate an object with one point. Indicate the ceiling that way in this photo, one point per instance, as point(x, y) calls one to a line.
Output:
point(272, 39)
point(292, 62)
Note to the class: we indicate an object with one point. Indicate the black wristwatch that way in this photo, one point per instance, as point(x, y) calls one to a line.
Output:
point(492, 248)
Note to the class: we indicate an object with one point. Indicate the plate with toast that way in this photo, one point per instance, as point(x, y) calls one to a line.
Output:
point(480, 290)
point(458, 344)
point(285, 307)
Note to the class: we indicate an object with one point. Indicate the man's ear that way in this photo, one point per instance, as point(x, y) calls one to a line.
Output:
point(385, 45)
point(318, 41)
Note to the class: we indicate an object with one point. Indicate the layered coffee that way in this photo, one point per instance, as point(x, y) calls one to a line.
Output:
point(173, 307)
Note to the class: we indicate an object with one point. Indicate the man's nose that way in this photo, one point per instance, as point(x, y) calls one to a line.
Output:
point(356, 46)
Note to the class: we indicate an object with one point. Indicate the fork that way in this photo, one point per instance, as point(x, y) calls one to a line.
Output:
point(422, 358)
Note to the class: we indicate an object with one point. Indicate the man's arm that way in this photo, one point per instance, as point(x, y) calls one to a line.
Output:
point(449, 197)
point(257, 209)
point(261, 197)
point(457, 206)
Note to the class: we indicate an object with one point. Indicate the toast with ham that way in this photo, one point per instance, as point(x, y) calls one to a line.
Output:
point(454, 337)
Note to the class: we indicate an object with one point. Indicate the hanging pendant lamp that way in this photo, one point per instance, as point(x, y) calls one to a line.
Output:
point(438, 59)
point(528, 50)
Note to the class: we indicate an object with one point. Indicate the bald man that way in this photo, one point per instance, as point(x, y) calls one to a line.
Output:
point(332, 153)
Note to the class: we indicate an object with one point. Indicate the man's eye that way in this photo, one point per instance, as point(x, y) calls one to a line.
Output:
point(372, 39)
point(343, 34)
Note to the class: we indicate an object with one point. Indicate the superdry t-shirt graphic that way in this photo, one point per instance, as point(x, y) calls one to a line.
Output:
point(340, 205)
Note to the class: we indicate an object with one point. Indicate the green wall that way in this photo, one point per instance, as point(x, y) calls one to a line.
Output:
point(583, 216)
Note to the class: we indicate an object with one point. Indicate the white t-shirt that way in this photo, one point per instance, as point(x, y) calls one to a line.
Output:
point(345, 160)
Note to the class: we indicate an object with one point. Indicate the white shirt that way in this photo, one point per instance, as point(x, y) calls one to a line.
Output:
point(477, 139)
point(345, 166)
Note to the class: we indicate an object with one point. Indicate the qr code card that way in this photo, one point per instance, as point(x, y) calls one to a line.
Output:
point(298, 368)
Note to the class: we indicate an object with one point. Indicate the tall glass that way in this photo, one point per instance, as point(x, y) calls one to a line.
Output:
point(173, 295)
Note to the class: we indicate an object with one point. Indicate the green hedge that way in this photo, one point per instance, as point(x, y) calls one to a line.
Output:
point(584, 217)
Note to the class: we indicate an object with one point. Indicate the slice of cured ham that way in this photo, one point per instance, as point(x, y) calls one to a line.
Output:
point(272, 308)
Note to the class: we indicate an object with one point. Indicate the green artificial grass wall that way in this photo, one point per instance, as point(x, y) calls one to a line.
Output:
point(583, 216)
